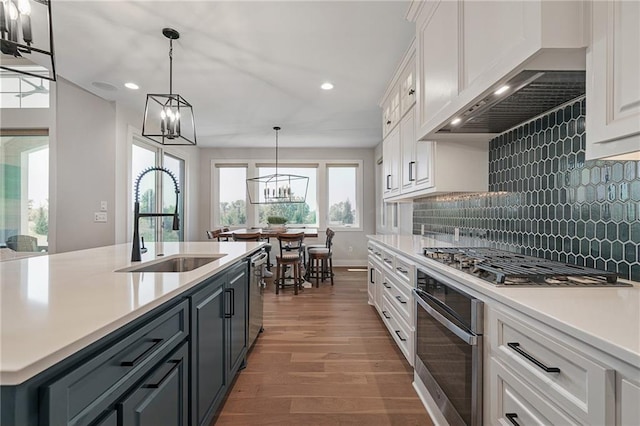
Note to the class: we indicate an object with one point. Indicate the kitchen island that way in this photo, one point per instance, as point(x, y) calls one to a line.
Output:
point(63, 311)
point(592, 334)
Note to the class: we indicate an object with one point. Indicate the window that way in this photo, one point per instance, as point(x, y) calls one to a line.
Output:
point(342, 189)
point(157, 189)
point(24, 193)
point(23, 91)
point(295, 213)
point(232, 191)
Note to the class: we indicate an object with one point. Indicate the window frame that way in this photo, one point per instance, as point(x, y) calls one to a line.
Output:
point(321, 167)
point(358, 164)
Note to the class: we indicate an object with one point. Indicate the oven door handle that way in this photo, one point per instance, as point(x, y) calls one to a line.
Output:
point(468, 338)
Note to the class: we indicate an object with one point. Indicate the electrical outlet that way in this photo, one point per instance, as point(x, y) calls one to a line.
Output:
point(350, 249)
point(422, 229)
point(103, 206)
point(100, 217)
point(456, 234)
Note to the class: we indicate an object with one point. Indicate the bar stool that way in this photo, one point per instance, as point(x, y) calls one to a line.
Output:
point(214, 234)
point(290, 255)
point(321, 261)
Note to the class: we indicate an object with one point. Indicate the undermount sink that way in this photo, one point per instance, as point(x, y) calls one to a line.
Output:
point(174, 264)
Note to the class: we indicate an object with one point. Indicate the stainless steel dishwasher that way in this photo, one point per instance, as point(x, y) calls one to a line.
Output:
point(257, 262)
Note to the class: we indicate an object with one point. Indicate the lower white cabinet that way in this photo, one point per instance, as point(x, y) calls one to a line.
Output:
point(391, 278)
point(561, 382)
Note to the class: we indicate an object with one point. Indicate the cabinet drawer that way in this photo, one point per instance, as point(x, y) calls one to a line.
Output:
point(80, 395)
point(516, 403)
point(399, 330)
point(388, 260)
point(405, 271)
point(375, 252)
point(582, 387)
point(400, 296)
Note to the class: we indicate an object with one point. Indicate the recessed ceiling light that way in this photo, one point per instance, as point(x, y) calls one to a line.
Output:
point(131, 86)
point(456, 121)
point(326, 86)
point(501, 90)
point(104, 86)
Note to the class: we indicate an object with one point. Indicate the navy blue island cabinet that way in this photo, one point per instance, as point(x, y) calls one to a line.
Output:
point(172, 366)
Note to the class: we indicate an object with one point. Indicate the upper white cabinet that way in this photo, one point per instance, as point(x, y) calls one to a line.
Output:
point(465, 49)
point(417, 156)
point(414, 168)
point(613, 79)
point(391, 163)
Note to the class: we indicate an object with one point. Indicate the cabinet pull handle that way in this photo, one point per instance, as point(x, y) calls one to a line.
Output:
point(166, 376)
point(386, 315)
point(404, 271)
point(516, 347)
point(371, 276)
point(230, 314)
point(143, 355)
point(388, 122)
point(387, 260)
point(233, 301)
point(404, 302)
point(411, 92)
point(385, 285)
point(400, 336)
point(388, 184)
point(512, 418)
point(411, 178)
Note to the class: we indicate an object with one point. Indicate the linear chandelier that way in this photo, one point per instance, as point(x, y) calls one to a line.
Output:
point(168, 118)
point(277, 188)
point(26, 38)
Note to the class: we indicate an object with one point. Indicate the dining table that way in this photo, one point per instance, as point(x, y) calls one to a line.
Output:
point(271, 232)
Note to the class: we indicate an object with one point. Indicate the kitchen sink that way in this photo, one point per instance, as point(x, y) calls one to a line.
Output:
point(174, 264)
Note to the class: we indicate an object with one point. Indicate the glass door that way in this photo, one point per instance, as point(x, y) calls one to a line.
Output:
point(157, 191)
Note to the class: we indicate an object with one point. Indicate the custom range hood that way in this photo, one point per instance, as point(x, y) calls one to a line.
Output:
point(525, 96)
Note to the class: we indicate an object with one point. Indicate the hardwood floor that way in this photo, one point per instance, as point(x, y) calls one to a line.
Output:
point(325, 358)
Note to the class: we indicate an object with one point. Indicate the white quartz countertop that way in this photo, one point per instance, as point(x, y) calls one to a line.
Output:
point(53, 306)
point(605, 318)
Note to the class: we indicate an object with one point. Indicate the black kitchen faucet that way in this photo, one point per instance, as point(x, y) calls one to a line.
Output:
point(136, 254)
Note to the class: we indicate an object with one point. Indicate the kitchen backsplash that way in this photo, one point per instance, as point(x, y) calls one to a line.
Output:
point(545, 200)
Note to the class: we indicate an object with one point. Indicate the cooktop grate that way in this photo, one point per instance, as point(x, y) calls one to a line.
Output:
point(505, 268)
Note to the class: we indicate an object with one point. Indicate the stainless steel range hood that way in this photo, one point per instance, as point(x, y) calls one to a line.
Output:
point(527, 95)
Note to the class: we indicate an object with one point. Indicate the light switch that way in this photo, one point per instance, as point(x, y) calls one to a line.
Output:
point(100, 217)
point(103, 206)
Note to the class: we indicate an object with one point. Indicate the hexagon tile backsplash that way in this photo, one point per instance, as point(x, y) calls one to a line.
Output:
point(545, 200)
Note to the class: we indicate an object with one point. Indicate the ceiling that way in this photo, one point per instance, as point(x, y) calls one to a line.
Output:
point(245, 66)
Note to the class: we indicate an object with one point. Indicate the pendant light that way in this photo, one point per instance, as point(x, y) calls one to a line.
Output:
point(277, 188)
point(26, 38)
point(168, 118)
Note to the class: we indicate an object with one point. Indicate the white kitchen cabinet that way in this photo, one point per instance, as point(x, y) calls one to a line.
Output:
point(417, 157)
point(391, 163)
point(613, 80)
point(466, 49)
point(558, 374)
point(407, 83)
point(394, 277)
point(390, 112)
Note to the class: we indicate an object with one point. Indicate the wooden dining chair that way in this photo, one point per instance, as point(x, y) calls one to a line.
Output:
point(290, 255)
point(248, 236)
point(320, 260)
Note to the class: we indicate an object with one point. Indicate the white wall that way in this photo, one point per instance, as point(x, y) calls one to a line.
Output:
point(343, 238)
point(90, 153)
point(85, 168)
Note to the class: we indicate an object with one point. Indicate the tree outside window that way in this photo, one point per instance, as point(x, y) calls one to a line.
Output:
point(232, 190)
point(341, 188)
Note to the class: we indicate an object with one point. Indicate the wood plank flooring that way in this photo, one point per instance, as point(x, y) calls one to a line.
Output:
point(325, 358)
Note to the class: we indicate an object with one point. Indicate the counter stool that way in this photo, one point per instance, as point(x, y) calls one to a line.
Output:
point(290, 255)
point(321, 261)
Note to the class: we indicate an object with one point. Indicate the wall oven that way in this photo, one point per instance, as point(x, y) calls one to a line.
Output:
point(449, 327)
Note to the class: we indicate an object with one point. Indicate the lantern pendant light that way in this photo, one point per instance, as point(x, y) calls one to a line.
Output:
point(168, 118)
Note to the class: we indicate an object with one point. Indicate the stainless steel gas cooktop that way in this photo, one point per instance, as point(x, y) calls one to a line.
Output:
point(511, 269)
